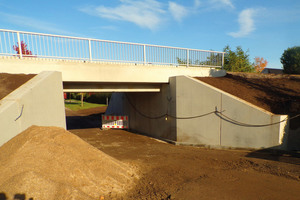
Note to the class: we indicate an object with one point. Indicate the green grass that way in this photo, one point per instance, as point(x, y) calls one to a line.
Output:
point(76, 105)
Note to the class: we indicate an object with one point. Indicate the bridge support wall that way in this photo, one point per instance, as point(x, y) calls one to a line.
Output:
point(38, 102)
point(184, 98)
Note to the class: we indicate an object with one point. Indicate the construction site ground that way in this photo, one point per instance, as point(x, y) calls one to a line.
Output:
point(186, 172)
point(167, 171)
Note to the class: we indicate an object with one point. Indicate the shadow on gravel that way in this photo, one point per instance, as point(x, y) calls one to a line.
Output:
point(84, 122)
point(276, 155)
point(16, 197)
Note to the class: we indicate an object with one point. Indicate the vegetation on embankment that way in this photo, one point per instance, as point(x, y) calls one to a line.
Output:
point(76, 105)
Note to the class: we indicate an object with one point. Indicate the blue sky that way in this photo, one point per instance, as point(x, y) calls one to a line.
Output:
point(264, 27)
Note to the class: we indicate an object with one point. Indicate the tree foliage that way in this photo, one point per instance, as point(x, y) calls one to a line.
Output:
point(237, 61)
point(24, 49)
point(213, 59)
point(290, 60)
point(260, 64)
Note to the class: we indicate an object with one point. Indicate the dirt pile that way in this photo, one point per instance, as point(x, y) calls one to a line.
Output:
point(279, 94)
point(10, 82)
point(52, 163)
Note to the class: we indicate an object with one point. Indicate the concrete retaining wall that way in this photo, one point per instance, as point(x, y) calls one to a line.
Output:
point(37, 102)
point(187, 97)
point(195, 97)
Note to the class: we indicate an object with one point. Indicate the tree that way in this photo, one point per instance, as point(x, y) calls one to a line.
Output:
point(214, 59)
point(24, 49)
point(290, 60)
point(237, 61)
point(259, 64)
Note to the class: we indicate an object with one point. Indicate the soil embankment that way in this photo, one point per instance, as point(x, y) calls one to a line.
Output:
point(10, 82)
point(279, 94)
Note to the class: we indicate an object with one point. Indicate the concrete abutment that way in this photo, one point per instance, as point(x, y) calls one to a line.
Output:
point(184, 113)
point(38, 102)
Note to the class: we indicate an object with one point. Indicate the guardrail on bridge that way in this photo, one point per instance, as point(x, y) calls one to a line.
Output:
point(29, 44)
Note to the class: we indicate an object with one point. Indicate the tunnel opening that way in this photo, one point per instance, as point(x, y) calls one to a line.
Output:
point(84, 110)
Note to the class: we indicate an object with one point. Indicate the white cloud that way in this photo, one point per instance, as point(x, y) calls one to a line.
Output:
point(29, 22)
point(197, 3)
point(177, 11)
point(146, 13)
point(152, 14)
point(246, 23)
point(222, 3)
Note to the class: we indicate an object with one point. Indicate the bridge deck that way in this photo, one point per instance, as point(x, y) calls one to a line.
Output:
point(85, 76)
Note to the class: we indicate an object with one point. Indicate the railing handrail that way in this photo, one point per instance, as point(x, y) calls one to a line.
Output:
point(111, 41)
point(80, 48)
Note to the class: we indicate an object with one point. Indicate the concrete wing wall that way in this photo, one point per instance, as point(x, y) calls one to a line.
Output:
point(194, 97)
point(37, 102)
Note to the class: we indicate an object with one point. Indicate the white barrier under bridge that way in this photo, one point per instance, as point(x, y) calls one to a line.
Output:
point(111, 121)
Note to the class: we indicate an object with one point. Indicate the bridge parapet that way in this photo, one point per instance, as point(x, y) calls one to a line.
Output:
point(29, 44)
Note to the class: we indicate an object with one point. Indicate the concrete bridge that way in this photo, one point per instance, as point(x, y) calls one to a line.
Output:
point(91, 65)
point(157, 91)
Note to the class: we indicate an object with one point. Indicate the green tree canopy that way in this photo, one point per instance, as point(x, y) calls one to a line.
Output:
point(290, 60)
point(237, 61)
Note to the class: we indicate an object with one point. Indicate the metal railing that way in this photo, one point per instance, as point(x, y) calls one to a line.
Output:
point(29, 44)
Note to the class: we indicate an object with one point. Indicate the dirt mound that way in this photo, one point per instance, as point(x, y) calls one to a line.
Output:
point(52, 163)
point(279, 94)
point(10, 82)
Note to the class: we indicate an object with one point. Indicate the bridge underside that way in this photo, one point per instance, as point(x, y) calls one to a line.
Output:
point(110, 87)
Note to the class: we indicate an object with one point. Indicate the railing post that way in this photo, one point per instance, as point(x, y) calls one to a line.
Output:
point(90, 51)
point(20, 46)
point(187, 58)
point(145, 61)
point(223, 54)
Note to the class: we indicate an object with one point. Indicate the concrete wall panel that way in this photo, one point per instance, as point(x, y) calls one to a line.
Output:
point(145, 108)
point(237, 135)
point(194, 99)
point(230, 133)
point(37, 102)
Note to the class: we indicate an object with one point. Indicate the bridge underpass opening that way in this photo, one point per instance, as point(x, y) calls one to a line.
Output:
point(111, 104)
point(93, 92)
point(84, 110)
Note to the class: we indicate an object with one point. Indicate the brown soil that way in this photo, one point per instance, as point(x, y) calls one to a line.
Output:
point(50, 163)
point(10, 82)
point(279, 94)
point(185, 172)
point(165, 171)
point(182, 172)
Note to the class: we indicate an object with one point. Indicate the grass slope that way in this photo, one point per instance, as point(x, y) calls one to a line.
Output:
point(76, 104)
